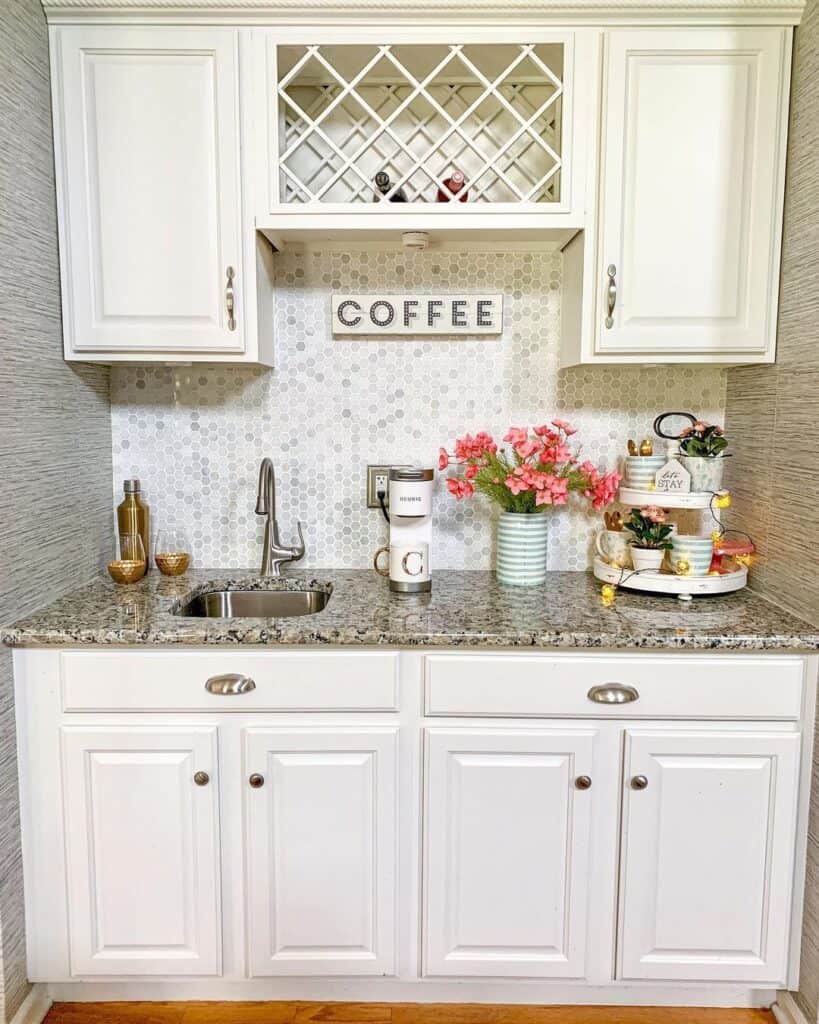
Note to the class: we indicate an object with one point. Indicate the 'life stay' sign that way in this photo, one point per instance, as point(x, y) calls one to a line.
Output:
point(375, 315)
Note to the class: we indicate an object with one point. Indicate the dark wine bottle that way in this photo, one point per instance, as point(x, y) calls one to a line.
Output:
point(455, 183)
point(383, 185)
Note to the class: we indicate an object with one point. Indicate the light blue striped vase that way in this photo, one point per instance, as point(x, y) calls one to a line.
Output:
point(522, 549)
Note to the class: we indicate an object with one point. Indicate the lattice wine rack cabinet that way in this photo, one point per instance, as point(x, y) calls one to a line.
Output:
point(406, 128)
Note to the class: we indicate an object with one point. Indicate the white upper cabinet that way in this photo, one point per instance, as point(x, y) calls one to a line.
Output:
point(510, 111)
point(150, 193)
point(708, 858)
point(691, 193)
point(508, 822)
point(321, 850)
point(142, 845)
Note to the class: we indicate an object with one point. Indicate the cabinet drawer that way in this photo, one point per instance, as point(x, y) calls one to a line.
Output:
point(284, 681)
point(682, 686)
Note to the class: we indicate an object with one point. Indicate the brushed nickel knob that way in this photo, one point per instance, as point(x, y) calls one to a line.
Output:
point(201, 778)
point(582, 782)
point(256, 781)
point(639, 782)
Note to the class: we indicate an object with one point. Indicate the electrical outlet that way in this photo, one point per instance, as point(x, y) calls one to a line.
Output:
point(378, 479)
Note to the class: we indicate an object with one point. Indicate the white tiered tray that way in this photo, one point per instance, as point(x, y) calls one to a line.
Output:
point(637, 496)
point(684, 587)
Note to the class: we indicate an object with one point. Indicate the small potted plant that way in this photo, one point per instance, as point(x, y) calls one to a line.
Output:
point(701, 448)
point(651, 531)
point(538, 472)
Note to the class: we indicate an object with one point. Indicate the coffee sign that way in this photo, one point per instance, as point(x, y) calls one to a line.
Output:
point(376, 315)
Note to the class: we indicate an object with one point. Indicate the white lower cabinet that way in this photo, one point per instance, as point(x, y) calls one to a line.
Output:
point(508, 830)
point(321, 850)
point(416, 837)
point(708, 855)
point(142, 847)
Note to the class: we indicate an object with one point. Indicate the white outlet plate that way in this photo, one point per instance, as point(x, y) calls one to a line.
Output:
point(377, 479)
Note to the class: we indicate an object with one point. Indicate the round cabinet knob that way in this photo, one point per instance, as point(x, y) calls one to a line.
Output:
point(201, 778)
point(582, 782)
point(639, 782)
point(256, 781)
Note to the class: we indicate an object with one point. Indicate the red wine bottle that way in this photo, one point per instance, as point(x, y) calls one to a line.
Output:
point(383, 185)
point(455, 183)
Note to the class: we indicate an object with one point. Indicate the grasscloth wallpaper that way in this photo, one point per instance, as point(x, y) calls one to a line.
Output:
point(195, 436)
point(55, 432)
point(772, 411)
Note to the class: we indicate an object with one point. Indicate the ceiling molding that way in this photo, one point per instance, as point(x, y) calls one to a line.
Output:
point(564, 11)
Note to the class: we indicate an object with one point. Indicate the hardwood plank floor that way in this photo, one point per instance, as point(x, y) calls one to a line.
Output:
point(388, 1013)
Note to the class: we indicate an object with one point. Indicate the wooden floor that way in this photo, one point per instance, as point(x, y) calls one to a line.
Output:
point(384, 1013)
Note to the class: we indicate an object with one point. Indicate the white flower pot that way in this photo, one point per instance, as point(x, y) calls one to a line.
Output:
point(647, 558)
point(706, 474)
point(521, 555)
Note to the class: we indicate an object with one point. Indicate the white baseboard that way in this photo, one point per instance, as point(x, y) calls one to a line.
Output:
point(396, 990)
point(34, 1007)
point(786, 1011)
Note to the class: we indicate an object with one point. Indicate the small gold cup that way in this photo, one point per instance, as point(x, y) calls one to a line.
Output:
point(128, 563)
point(172, 552)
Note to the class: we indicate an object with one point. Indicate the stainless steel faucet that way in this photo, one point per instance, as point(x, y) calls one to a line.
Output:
point(274, 554)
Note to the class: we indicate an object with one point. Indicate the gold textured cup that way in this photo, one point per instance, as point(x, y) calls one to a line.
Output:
point(172, 551)
point(172, 563)
point(128, 562)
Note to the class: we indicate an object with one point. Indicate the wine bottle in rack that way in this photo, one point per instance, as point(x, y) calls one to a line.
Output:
point(455, 183)
point(382, 187)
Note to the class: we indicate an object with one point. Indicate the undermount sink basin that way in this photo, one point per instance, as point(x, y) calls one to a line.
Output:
point(256, 604)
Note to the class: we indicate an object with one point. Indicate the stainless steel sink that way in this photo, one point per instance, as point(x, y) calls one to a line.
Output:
point(256, 604)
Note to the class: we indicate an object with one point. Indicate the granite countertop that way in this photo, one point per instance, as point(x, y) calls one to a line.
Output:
point(464, 609)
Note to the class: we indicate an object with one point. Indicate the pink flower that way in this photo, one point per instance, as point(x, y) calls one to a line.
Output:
point(701, 426)
point(471, 472)
point(654, 513)
point(515, 484)
point(556, 451)
point(516, 435)
point(527, 448)
point(443, 458)
point(477, 447)
point(460, 488)
point(602, 490)
point(554, 490)
point(546, 431)
point(567, 428)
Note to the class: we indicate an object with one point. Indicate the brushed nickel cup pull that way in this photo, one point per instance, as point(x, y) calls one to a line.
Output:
point(256, 781)
point(201, 778)
point(611, 294)
point(613, 693)
point(583, 782)
point(230, 685)
point(230, 299)
point(639, 782)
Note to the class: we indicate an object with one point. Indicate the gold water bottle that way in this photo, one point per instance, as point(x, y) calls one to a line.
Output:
point(133, 516)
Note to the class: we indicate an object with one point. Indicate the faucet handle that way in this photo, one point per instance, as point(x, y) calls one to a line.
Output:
point(298, 549)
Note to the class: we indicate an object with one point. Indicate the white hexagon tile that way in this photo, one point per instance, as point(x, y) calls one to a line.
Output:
point(195, 435)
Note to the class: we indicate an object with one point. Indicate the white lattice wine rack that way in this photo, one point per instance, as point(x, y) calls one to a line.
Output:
point(419, 112)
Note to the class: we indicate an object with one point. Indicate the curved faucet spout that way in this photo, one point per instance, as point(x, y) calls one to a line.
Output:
point(274, 554)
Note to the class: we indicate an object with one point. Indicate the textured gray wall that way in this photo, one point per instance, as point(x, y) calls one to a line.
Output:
point(772, 413)
point(55, 428)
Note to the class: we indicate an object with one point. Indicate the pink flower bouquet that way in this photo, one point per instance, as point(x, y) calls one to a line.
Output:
point(539, 471)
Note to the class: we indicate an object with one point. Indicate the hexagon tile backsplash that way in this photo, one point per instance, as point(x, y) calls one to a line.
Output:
point(195, 435)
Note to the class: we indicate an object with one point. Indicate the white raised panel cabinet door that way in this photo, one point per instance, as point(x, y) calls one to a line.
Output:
point(142, 836)
point(147, 143)
point(321, 832)
point(694, 124)
point(707, 865)
point(507, 852)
